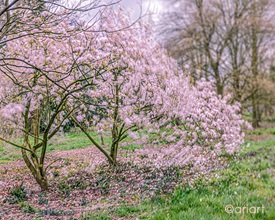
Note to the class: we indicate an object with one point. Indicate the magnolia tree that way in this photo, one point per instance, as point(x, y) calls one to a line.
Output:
point(120, 100)
point(124, 99)
point(117, 81)
point(39, 76)
point(211, 127)
point(142, 90)
point(46, 67)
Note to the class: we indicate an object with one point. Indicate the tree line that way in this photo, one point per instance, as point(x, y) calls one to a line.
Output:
point(229, 41)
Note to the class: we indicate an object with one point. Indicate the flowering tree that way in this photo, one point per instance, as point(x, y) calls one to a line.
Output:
point(116, 80)
point(120, 100)
point(49, 56)
point(211, 127)
point(142, 90)
point(40, 75)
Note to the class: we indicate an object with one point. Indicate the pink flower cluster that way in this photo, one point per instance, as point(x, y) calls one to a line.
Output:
point(118, 76)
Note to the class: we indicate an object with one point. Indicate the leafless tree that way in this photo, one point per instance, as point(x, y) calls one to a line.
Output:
point(228, 41)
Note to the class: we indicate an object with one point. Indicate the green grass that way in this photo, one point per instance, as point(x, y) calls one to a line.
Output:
point(249, 182)
point(60, 142)
point(247, 185)
point(70, 141)
point(261, 131)
point(8, 153)
point(67, 141)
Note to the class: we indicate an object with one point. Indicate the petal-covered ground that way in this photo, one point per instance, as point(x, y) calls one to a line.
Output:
point(81, 181)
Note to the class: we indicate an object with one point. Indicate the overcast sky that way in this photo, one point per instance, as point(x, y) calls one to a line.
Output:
point(154, 6)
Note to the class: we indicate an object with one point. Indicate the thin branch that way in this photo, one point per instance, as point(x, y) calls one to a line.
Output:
point(15, 145)
point(8, 7)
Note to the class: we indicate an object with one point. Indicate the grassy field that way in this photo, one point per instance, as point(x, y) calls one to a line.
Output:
point(67, 141)
point(244, 190)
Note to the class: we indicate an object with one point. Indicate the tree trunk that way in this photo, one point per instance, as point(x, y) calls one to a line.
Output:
point(114, 146)
point(254, 68)
point(37, 171)
point(255, 122)
point(219, 84)
point(43, 183)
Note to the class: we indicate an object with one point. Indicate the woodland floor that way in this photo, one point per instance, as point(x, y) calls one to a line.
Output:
point(82, 186)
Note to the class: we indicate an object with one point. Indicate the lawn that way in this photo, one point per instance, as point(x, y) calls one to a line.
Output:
point(67, 141)
point(245, 189)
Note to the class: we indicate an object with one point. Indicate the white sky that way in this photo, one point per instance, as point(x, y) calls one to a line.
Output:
point(149, 7)
point(153, 6)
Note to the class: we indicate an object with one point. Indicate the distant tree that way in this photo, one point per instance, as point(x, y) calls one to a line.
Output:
point(227, 41)
point(198, 37)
